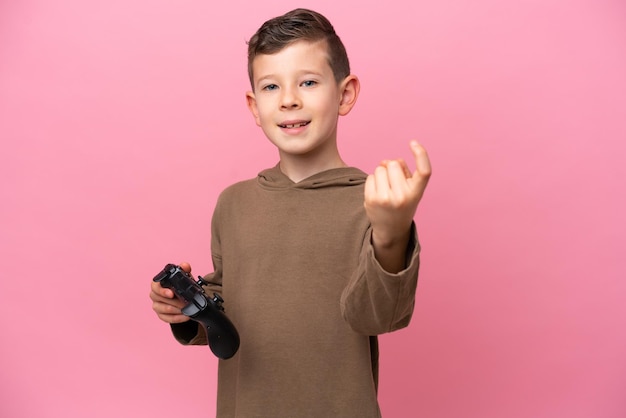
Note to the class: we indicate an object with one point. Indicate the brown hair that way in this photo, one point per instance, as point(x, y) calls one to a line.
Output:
point(297, 25)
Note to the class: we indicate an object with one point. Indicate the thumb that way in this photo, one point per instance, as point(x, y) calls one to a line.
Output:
point(422, 162)
point(185, 266)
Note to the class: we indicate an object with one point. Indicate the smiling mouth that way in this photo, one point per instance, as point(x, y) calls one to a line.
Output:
point(294, 125)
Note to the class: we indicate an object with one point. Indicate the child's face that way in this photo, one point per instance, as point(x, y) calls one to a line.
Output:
point(296, 99)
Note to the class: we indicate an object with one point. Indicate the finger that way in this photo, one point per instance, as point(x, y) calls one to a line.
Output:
point(422, 162)
point(157, 298)
point(397, 177)
point(405, 167)
point(370, 188)
point(381, 180)
point(173, 319)
point(185, 266)
point(157, 289)
point(166, 308)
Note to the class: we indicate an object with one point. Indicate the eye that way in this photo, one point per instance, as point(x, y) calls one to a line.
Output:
point(309, 83)
point(270, 87)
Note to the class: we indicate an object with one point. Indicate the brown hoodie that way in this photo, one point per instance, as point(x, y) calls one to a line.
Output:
point(296, 268)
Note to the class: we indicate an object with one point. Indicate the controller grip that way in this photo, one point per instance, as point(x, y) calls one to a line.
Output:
point(222, 336)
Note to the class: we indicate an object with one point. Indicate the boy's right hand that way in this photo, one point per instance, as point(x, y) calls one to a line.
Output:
point(166, 305)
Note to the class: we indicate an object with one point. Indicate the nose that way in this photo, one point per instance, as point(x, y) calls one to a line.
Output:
point(290, 99)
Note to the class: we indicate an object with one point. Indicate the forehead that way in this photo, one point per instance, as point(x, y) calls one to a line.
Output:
point(299, 56)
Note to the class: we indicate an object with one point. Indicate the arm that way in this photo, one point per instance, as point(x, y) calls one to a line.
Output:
point(380, 297)
point(376, 301)
point(392, 195)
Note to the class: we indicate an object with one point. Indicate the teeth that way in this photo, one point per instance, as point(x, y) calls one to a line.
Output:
point(295, 125)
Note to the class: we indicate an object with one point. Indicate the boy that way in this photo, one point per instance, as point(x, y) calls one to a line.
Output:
point(313, 258)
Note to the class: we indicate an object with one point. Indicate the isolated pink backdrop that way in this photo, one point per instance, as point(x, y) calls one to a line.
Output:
point(121, 121)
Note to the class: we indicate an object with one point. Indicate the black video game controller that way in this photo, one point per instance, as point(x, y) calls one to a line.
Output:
point(221, 333)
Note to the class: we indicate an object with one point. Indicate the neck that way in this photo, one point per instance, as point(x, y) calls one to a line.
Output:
point(298, 168)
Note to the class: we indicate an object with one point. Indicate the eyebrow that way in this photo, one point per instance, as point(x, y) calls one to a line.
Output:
point(298, 74)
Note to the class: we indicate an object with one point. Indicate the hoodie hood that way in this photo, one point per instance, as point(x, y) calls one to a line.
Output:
point(274, 179)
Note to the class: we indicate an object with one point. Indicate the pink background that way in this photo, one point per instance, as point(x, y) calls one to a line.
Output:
point(121, 121)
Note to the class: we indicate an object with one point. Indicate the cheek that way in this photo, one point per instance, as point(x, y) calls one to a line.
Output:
point(264, 108)
point(264, 120)
point(328, 108)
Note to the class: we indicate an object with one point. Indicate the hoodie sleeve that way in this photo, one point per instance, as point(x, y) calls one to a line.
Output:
point(376, 301)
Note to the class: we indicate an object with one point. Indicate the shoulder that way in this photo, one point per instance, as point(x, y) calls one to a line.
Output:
point(243, 189)
point(236, 189)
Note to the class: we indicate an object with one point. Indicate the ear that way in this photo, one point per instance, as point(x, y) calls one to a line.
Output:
point(251, 100)
point(349, 90)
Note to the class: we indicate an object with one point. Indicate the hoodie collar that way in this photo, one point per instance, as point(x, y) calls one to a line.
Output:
point(274, 179)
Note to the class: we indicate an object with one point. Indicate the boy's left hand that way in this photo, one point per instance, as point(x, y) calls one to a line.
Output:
point(392, 194)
